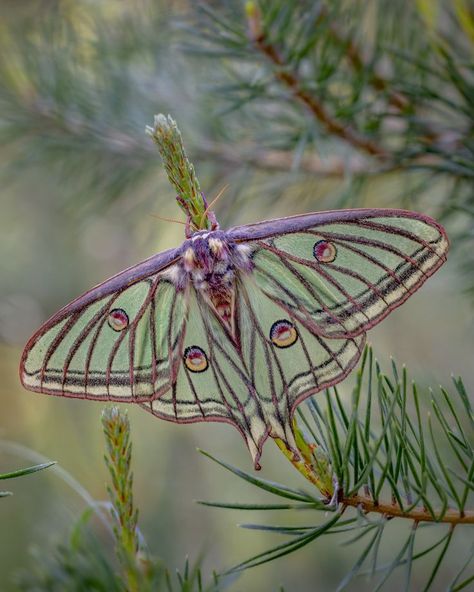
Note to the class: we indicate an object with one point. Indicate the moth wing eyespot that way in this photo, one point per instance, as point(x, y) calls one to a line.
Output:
point(283, 333)
point(118, 319)
point(195, 359)
point(324, 251)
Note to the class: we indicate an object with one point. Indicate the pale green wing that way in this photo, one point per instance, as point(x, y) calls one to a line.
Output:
point(124, 345)
point(287, 360)
point(217, 386)
point(344, 276)
point(251, 381)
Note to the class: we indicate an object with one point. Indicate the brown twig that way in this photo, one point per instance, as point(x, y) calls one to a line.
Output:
point(134, 152)
point(133, 149)
point(284, 160)
point(290, 80)
point(417, 514)
point(305, 466)
point(354, 55)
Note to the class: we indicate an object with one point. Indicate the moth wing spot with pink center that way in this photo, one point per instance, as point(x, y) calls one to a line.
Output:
point(195, 359)
point(118, 319)
point(283, 333)
point(324, 251)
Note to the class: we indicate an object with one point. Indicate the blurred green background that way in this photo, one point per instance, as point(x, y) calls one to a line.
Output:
point(80, 184)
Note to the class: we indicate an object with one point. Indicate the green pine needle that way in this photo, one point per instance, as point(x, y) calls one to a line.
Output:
point(22, 472)
point(27, 471)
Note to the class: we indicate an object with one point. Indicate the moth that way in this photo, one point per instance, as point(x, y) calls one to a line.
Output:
point(238, 326)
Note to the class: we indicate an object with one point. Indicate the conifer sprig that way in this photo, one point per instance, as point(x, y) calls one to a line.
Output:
point(124, 514)
point(180, 171)
point(392, 453)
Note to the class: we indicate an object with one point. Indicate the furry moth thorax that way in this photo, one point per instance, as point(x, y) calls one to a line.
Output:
point(209, 261)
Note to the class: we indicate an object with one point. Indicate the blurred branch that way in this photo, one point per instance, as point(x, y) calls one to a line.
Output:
point(133, 152)
point(289, 78)
point(132, 149)
point(282, 160)
point(354, 55)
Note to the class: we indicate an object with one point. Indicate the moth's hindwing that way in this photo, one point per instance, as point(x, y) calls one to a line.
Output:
point(256, 383)
point(287, 361)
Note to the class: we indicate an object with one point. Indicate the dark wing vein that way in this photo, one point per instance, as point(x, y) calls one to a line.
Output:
point(396, 230)
point(317, 268)
point(56, 341)
point(90, 351)
point(133, 326)
point(330, 236)
point(216, 369)
point(283, 258)
point(267, 349)
point(80, 339)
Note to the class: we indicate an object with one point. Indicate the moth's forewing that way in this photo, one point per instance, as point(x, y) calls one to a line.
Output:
point(344, 271)
point(99, 346)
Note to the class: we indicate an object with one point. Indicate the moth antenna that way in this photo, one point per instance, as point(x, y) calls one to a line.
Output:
point(218, 196)
point(168, 219)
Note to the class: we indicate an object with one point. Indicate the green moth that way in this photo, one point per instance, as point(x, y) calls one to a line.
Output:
point(238, 326)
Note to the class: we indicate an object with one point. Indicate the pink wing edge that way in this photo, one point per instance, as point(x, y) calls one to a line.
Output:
point(279, 226)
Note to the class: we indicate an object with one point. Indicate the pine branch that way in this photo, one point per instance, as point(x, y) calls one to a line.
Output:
point(406, 84)
point(354, 55)
point(84, 560)
point(140, 573)
point(287, 77)
point(181, 174)
point(449, 516)
point(361, 454)
point(300, 31)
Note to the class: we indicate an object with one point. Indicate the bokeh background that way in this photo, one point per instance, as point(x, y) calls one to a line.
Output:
point(81, 182)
